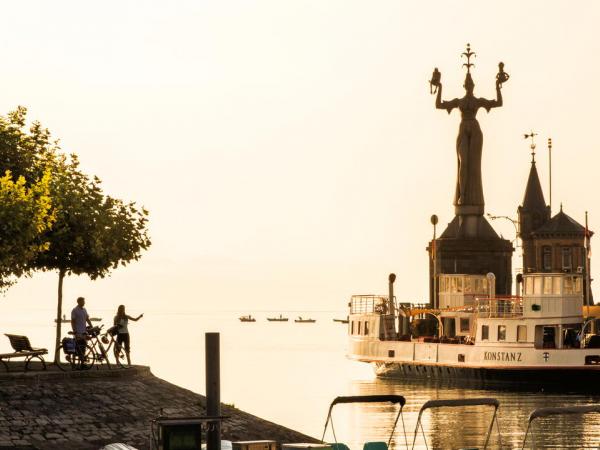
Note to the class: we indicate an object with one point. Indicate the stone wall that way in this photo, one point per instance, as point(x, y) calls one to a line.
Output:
point(86, 410)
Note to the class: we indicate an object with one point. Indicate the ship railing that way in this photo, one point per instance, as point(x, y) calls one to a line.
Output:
point(499, 307)
point(370, 303)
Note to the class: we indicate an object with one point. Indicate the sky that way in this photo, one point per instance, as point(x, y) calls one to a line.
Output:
point(290, 153)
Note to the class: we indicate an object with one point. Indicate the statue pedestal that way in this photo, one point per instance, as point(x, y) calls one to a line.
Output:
point(470, 246)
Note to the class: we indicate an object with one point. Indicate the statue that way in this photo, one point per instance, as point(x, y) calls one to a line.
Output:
point(468, 198)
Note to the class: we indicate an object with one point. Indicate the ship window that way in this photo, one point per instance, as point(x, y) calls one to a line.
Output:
point(468, 286)
point(501, 332)
point(556, 285)
point(568, 285)
point(547, 257)
point(485, 332)
point(464, 325)
point(352, 327)
point(521, 333)
point(358, 332)
point(566, 258)
point(459, 285)
point(537, 287)
point(484, 283)
point(547, 285)
point(529, 286)
point(366, 328)
point(577, 285)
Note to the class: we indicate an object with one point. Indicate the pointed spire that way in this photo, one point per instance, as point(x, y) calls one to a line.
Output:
point(534, 196)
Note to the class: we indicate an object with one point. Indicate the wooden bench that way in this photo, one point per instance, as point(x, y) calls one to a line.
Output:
point(22, 349)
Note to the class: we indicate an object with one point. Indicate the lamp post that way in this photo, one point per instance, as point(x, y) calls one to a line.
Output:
point(550, 170)
point(515, 224)
point(434, 221)
point(515, 240)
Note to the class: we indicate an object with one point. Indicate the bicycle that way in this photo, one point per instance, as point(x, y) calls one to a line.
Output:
point(109, 339)
point(78, 353)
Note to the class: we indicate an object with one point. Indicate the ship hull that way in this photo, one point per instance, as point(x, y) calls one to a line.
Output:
point(512, 365)
point(568, 378)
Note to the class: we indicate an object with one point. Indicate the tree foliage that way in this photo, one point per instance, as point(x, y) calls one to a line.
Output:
point(54, 216)
point(26, 214)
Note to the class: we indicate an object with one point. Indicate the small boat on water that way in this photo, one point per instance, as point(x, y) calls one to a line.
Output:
point(247, 318)
point(301, 320)
point(278, 319)
point(341, 320)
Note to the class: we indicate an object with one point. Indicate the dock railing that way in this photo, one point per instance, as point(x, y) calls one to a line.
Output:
point(499, 307)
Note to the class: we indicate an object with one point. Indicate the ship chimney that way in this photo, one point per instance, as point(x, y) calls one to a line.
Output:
point(391, 279)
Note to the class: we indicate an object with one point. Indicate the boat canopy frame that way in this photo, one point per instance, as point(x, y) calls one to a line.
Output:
point(556, 411)
point(385, 398)
point(453, 403)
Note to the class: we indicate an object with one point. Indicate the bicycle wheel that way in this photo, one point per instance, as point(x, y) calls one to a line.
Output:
point(120, 356)
point(89, 358)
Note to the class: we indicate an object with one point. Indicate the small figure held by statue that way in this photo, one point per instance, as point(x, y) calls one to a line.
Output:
point(502, 76)
point(435, 81)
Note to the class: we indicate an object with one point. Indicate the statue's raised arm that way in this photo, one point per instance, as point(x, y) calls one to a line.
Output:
point(436, 82)
point(489, 104)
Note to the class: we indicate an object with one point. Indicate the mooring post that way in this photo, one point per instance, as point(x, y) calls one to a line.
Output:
point(213, 390)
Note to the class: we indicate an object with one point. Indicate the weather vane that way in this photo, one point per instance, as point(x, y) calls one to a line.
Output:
point(468, 54)
point(531, 135)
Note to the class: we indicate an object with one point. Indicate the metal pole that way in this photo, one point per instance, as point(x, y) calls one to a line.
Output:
point(434, 221)
point(587, 266)
point(213, 390)
point(550, 170)
point(435, 295)
point(391, 303)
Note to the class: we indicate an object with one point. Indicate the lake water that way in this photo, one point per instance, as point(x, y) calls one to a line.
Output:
point(289, 373)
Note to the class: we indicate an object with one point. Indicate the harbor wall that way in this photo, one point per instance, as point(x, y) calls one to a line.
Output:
point(83, 410)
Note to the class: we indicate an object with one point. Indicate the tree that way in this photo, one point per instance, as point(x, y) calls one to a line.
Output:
point(92, 234)
point(55, 217)
point(25, 215)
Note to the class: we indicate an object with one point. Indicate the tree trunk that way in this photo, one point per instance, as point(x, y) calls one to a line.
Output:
point(61, 276)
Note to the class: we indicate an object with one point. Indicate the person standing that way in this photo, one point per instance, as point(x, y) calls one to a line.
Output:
point(79, 320)
point(122, 321)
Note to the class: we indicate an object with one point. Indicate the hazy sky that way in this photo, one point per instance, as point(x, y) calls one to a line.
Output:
point(289, 151)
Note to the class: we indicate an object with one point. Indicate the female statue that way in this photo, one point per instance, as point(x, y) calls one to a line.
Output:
point(469, 143)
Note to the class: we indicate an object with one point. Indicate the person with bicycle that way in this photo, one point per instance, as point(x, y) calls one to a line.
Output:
point(79, 321)
point(121, 321)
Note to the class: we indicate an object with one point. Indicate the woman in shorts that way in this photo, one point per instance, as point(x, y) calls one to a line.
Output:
point(122, 321)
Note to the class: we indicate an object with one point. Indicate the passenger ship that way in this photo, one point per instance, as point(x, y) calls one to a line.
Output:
point(540, 336)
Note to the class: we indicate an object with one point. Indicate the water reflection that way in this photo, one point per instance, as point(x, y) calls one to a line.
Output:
point(464, 426)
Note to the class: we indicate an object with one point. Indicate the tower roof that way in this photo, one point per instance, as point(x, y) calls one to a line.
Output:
point(561, 224)
point(534, 196)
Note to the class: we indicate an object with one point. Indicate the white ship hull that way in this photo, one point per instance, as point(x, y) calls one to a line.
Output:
point(477, 362)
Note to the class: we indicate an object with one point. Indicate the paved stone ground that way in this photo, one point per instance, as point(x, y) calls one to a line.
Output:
point(86, 410)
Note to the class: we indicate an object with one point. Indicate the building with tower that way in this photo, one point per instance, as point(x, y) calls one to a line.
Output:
point(550, 244)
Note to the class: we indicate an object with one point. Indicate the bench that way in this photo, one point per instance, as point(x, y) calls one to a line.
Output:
point(22, 349)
